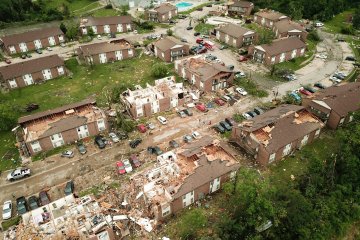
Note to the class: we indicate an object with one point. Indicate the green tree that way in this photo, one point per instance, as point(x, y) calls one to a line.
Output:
point(8, 117)
point(356, 18)
point(63, 28)
point(169, 32)
point(124, 9)
point(90, 32)
point(126, 125)
point(159, 70)
point(72, 31)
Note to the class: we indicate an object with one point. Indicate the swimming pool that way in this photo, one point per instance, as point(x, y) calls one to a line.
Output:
point(182, 5)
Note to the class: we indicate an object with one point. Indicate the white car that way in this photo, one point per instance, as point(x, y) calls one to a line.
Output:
point(321, 56)
point(99, 37)
point(114, 137)
point(196, 135)
point(150, 126)
point(49, 49)
point(127, 165)
point(246, 116)
point(241, 91)
point(7, 209)
point(335, 79)
point(319, 24)
point(135, 31)
point(162, 120)
point(240, 74)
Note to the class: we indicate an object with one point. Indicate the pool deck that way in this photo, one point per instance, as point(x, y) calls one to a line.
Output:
point(193, 2)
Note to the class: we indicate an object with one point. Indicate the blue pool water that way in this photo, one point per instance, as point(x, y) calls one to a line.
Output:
point(183, 5)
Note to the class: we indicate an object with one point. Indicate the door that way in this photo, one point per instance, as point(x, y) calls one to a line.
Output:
point(128, 27)
point(188, 199)
point(94, 28)
point(130, 52)
point(28, 79)
point(61, 38)
point(293, 53)
point(118, 55)
point(102, 57)
point(60, 70)
point(52, 41)
point(304, 141)
point(83, 131)
point(37, 44)
point(12, 83)
point(106, 29)
point(12, 49)
point(282, 57)
point(23, 47)
point(57, 140)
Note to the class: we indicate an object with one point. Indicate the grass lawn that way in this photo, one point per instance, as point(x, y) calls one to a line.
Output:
point(300, 62)
point(338, 22)
point(86, 9)
point(73, 5)
point(197, 7)
point(354, 43)
point(204, 28)
point(11, 222)
point(251, 87)
point(105, 13)
point(9, 155)
point(85, 82)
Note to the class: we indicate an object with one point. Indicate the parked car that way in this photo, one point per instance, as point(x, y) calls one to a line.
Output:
point(195, 135)
point(204, 36)
point(18, 174)
point(44, 198)
point(241, 91)
point(242, 58)
point(162, 120)
point(189, 28)
point(199, 40)
point(225, 125)
point(23, 56)
point(182, 114)
point(69, 188)
point(196, 34)
point(67, 154)
point(319, 85)
point(150, 126)
point(219, 128)
point(99, 141)
point(334, 79)
point(246, 116)
point(240, 74)
point(290, 77)
point(99, 37)
point(295, 96)
point(226, 98)
point(173, 144)
point(188, 112)
point(135, 161)
point(8, 61)
point(219, 102)
point(304, 91)
point(310, 89)
point(7, 210)
point(142, 128)
point(340, 75)
point(252, 114)
point(122, 135)
point(39, 51)
point(135, 143)
point(62, 45)
point(49, 49)
point(114, 137)
point(33, 202)
point(201, 107)
point(155, 150)
point(120, 167)
point(201, 50)
point(21, 205)
point(223, 47)
point(187, 138)
point(230, 121)
point(230, 67)
point(183, 40)
point(28, 55)
point(127, 165)
point(258, 111)
point(81, 147)
point(350, 58)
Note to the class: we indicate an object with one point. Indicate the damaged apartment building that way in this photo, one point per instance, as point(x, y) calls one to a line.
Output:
point(54, 128)
point(183, 177)
point(205, 76)
point(277, 133)
point(165, 95)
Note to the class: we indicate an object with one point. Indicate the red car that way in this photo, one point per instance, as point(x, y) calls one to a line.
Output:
point(242, 59)
point(120, 167)
point(201, 107)
point(142, 128)
point(305, 92)
point(219, 102)
point(135, 161)
point(199, 40)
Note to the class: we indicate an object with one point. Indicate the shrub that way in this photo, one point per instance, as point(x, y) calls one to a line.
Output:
point(313, 36)
point(159, 70)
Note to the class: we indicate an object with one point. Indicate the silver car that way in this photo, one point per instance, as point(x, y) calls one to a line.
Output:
point(114, 137)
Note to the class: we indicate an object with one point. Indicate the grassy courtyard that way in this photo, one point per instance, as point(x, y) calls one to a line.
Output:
point(339, 22)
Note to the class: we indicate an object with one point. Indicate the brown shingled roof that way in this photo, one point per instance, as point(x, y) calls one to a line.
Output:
point(285, 26)
point(31, 36)
point(30, 66)
point(243, 4)
point(234, 30)
point(204, 69)
point(342, 98)
point(61, 109)
point(283, 124)
point(100, 21)
point(206, 172)
point(104, 47)
point(164, 8)
point(64, 124)
point(270, 14)
point(279, 46)
point(167, 43)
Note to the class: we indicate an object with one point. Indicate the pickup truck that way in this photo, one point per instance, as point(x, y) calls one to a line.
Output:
point(18, 174)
